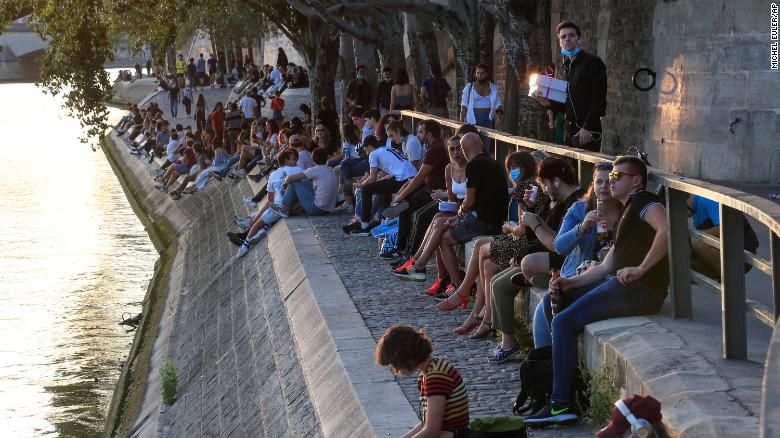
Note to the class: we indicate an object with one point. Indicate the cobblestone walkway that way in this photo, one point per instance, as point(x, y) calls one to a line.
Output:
point(384, 300)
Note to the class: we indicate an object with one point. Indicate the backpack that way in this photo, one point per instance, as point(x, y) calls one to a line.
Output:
point(536, 382)
point(439, 89)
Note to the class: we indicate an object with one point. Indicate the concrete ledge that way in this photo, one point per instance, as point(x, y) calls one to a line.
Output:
point(352, 396)
point(648, 359)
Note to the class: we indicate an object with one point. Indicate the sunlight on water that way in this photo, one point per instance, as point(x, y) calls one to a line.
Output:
point(73, 257)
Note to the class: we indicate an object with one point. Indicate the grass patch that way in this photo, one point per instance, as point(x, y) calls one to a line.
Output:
point(169, 380)
point(523, 334)
point(600, 395)
point(129, 390)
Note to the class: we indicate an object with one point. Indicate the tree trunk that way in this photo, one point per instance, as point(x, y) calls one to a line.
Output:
point(324, 50)
point(345, 69)
point(526, 41)
point(423, 51)
point(391, 54)
point(364, 54)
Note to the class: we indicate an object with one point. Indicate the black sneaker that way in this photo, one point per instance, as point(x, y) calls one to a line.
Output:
point(256, 178)
point(351, 226)
point(392, 254)
point(396, 264)
point(552, 414)
point(237, 238)
point(360, 231)
point(411, 274)
point(395, 209)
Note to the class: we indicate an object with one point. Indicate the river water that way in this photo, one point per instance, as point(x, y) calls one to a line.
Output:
point(73, 258)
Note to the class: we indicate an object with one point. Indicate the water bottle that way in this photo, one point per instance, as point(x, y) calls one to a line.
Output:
point(555, 302)
point(602, 232)
point(534, 193)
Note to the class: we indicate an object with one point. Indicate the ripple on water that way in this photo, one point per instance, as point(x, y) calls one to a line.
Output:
point(73, 257)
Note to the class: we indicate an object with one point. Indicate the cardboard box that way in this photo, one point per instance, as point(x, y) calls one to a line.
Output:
point(547, 87)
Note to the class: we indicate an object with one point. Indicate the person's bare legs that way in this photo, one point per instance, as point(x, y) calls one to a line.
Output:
point(188, 179)
point(487, 271)
point(244, 157)
point(437, 224)
point(170, 180)
point(431, 247)
point(450, 259)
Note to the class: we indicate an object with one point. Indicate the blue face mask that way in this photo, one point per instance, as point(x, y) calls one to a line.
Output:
point(361, 77)
point(515, 174)
point(570, 53)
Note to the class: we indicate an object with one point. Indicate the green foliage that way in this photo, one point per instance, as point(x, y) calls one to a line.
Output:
point(523, 334)
point(601, 393)
point(169, 380)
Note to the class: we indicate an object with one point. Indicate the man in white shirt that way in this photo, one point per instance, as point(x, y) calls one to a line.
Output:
point(315, 189)
point(247, 105)
point(397, 170)
point(170, 149)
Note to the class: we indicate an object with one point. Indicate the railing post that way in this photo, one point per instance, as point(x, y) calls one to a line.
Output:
point(774, 246)
point(585, 171)
point(732, 265)
point(679, 254)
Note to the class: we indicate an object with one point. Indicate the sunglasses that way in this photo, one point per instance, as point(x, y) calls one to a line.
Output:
point(615, 175)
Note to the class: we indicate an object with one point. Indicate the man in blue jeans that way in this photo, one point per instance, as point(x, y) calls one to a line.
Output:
point(632, 280)
point(314, 189)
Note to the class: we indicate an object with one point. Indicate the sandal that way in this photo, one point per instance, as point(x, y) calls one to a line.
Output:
point(471, 321)
point(477, 334)
point(448, 306)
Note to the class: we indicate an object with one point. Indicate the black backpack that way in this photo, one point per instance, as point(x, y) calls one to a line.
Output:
point(536, 380)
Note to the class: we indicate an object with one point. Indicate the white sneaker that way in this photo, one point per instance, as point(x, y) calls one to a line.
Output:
point(248, 201)
point(242, 250)
point(261, 233)
point(241, 221)
point(345, 208)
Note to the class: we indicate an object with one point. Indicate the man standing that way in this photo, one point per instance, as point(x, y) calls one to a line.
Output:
point(181, 66)
point(212, 63)
point(248, 104)
point(632, 280)
point(383, 91)
point(201, 65)
point(586, 99)
point(192, 73)
point(435, 92)
point(359, 90)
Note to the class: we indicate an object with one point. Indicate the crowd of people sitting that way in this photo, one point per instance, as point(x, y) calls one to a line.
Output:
point(599, 248)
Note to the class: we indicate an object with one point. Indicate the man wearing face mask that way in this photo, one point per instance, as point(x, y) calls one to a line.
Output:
point(383, 90)
point(359, 90)
point(586, 99)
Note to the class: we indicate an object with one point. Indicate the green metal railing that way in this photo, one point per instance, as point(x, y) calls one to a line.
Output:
point(733, 203)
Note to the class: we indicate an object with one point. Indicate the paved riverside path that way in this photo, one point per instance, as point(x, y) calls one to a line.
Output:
point(384, 300)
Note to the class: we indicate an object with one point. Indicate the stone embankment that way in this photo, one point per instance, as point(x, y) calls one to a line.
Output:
point(280, 343)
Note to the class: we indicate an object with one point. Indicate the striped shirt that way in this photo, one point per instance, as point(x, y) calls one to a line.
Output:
point(442, 378)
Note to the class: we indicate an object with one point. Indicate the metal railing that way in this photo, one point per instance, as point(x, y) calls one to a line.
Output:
point(733, 204)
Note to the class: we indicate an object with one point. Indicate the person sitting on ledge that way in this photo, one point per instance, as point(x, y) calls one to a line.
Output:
point(314, 190)
point(632, 280)
point(444, 402)
point(262, 221)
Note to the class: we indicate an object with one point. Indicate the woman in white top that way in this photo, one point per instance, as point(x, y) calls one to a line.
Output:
point(481, 103)
point(455, 176)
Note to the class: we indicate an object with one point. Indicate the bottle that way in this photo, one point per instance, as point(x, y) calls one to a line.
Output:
point(534, 192)
point(602, 233)
point(555, 302)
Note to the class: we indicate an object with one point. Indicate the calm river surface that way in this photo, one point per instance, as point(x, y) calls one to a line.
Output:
point(73, 258)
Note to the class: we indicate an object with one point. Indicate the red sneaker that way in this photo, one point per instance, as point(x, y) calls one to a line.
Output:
point(434, 289)
point(406, 265)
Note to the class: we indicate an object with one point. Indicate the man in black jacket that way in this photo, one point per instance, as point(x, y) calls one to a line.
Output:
point(587, 91)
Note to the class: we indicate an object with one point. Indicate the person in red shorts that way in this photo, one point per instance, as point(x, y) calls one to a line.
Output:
point(444, 403)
